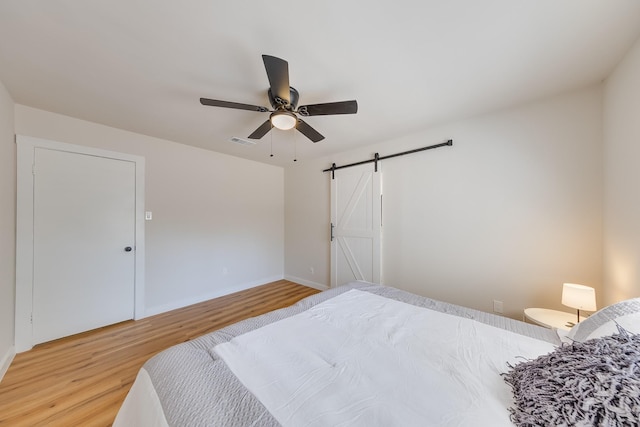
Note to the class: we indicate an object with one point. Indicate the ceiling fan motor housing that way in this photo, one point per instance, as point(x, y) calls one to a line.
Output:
point(279, 104)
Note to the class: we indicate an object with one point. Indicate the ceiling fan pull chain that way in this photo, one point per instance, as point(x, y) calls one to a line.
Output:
point(271, 141)
point(295, 148)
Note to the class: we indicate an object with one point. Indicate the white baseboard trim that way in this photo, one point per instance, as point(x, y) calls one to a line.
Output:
point(152, 311)
point(300, 280)
point(6, 360)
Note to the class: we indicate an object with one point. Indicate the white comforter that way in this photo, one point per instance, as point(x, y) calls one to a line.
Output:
point(359, 359)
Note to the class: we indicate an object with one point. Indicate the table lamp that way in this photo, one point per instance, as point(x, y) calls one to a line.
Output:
point(579, 297)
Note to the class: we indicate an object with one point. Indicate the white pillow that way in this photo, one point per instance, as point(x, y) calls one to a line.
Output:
point(604, 322)
point(630, 322)
point(563, 334)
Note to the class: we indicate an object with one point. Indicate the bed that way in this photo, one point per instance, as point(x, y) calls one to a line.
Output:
point(366, 354)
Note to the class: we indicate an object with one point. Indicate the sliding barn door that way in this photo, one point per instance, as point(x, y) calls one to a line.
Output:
point(84, 210)
point(356, 203)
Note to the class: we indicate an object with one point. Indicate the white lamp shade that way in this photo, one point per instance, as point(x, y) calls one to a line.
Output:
point(283, 120)
point(579, 297)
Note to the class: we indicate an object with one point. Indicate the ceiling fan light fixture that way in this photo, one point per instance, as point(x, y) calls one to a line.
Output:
point(283, 120)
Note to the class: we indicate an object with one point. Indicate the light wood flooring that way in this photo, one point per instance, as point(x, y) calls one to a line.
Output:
point(82, 380)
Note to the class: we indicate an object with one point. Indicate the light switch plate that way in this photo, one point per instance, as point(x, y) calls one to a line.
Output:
point(148, 216)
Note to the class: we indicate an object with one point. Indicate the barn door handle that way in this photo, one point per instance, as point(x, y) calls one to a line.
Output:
point(127, 249)
point(332, 226)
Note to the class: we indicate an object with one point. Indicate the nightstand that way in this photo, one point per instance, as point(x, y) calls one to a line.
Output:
point(551, 318)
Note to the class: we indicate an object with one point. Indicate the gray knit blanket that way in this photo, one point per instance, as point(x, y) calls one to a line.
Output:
point(594, 383)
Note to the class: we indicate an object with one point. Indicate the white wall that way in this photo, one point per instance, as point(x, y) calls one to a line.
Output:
point(212, 213)
point(510, 212)
point(7, 229)
point(622, 179)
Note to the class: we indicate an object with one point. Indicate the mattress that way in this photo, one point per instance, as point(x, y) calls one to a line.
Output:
point(190, 385)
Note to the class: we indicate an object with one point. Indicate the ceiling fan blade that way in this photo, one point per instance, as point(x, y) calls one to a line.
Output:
point(329, 108)
point(261, 131)
point(237, 105)
point(308, 131)
point(278, 74)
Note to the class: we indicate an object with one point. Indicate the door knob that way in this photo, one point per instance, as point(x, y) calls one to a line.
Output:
point(127, 249)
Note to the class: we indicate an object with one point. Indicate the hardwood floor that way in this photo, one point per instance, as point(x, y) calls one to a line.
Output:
point(82, 380)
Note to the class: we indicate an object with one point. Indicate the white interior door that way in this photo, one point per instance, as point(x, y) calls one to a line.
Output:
point(84, 211)
point(356, 225)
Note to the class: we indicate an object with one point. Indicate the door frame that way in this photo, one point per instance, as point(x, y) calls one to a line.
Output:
point(26, 148)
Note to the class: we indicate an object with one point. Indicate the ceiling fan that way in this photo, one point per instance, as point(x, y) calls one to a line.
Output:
point(284, 101)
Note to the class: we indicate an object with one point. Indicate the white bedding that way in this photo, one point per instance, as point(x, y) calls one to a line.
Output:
point(362, 359)
point(142, 406)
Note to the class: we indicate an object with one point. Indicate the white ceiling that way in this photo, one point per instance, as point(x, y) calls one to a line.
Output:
point(142, 65)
